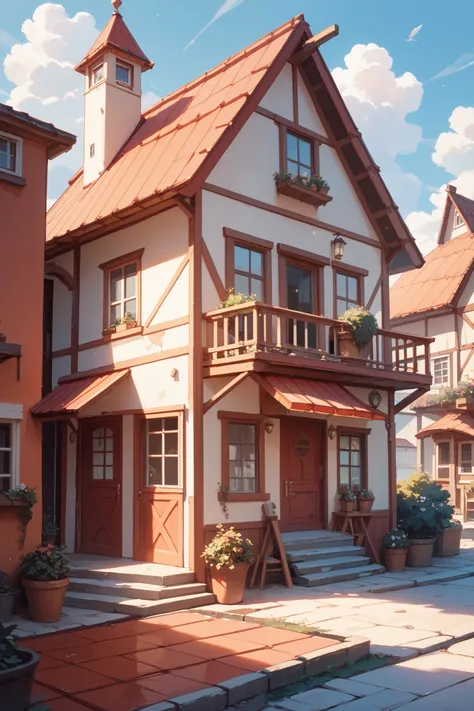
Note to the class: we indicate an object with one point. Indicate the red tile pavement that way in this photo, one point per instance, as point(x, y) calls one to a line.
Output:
point(128, 665)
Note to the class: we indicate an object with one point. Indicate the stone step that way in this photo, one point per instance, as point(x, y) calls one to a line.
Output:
point(339, 576)
point(325, 565)
point(134, 607)
point(138, 590)
point(317, 553)
point(133, 576)
point(303, 540)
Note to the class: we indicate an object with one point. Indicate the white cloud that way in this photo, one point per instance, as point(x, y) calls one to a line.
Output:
point(380, 102)
point(226, 7)
point(453, 151)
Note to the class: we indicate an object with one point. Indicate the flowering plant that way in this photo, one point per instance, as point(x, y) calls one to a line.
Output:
point(366, 495)
point(465, 388)
point(395, 539)
point(422, 507)
point(46, 563)
point(27, 496)
point(227, 548)
point(347, 495)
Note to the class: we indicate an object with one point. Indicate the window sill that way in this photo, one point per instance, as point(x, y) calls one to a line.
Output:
point(318, 197)
point(244, 497)
point(7, 503)
point(12, 178)
point(114, 335)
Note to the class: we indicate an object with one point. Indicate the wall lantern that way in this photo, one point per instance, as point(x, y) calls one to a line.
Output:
point(338, 245)
point(268, 426)
point(375, 398)
point(331, 431)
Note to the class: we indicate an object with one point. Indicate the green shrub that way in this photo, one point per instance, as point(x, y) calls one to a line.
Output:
point(362, 323)
point(423, 508)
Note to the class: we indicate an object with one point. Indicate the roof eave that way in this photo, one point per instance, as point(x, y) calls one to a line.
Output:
point(143, 61)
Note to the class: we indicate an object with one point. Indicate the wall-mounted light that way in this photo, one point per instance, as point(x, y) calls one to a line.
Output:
point(375, 398)
point(268, 426)
point(338, 245)
point(332, 431)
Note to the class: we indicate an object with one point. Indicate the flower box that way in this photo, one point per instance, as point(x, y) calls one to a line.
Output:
point(5, 501)
point(310, 195)
point(465, 403)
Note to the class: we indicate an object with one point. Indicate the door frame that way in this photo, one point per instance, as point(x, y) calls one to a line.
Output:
point(79, 542)
point(323, 426)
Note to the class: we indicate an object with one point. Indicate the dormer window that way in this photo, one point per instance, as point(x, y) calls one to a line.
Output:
point(10, 154)
point(124, 73)
point(97, 74)
point(458, 221)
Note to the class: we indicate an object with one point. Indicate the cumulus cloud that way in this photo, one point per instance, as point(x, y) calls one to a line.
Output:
point(380, 103)
point(453, 151)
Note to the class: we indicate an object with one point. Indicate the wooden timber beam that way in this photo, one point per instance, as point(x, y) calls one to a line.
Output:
point(316, 41)
point(224, 391)
point(409, 399)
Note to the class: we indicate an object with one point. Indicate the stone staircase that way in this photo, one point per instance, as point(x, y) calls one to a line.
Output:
point(132, 588)
point(324, 557)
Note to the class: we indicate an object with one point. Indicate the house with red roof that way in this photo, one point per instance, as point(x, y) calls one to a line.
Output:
point(437, 301)
point(179, 404)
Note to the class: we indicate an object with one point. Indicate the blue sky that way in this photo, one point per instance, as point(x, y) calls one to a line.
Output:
point(164, 28)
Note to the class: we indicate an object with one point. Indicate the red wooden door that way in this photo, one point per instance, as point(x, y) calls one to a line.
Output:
point(101, 484)
point(301, 468)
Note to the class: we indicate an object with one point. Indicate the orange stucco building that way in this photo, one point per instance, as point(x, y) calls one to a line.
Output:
point(26, 145)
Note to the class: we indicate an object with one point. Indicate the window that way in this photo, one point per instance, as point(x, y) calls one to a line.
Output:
point(97, 74)
point(102, 454)
point(299, 155)
point(10, 154)
point(122, 290)
point(92, 150)
point(443, 457)
point(458, 221)
point(243, 457)
point(248, 265)
point(466, 458)
point(348, 292)
point(441, 371)
point(123, 73)
point(352, 458)
point(163, 457)
point(9, 452)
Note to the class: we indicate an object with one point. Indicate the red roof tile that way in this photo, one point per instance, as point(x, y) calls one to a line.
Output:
point(117, 36)
point(69, 397)
point(459, 422)
point(299, 395)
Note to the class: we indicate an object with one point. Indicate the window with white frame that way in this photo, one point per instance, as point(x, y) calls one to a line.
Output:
point(10, 154)
point(163, 455)
point(123, 288)
point(9, 452)
point(458, 221)
point(466, 457)
point(443, 459)
point(97, 74)
point(440, 368)
point(123, 73)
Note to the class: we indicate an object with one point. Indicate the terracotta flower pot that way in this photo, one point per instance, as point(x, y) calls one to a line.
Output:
point(420, 552)
point(45, 598)
point(7, 601)
point(365, 505)
point(348, 506)
point(448, 542)
point(395, 559)
point(228, 585)
point(347, 347)
point(16, 684)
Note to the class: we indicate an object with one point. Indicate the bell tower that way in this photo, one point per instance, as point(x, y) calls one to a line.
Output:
point(113, 93)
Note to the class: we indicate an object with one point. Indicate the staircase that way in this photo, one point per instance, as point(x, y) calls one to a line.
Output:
point(132, 588)
point(324, 557)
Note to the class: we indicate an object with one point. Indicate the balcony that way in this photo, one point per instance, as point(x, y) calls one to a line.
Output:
point(258, 337)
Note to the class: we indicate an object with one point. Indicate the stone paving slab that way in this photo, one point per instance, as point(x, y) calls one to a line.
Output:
point(452, 699)
point(352, 687)
point(383, 701)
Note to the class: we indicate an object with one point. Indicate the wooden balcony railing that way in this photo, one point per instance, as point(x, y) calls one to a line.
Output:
point(249, 328)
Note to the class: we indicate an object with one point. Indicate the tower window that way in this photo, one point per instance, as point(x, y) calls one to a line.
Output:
point(97, 74)
point(92, 150)
point(124, 73)
point(458, 221)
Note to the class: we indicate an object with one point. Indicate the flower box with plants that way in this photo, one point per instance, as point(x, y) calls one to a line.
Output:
point(228, 556)
point(465, 394)
point(423, 511)
point(45, 577)
point(122, 324)
point(347, 500)
point(8, 595)
point(395, 546)
point(24, 498)
point(365, 500)
point(448, 542)
point(17, 669)
point(311, 189)
point(358, 327)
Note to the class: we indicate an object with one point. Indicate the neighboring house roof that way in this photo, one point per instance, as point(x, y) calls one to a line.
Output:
point(459, 422)
point(401, 442)
point(463, 205)
point(438, 284)
point(58, 141)
point(181, 139)
point(115, 36)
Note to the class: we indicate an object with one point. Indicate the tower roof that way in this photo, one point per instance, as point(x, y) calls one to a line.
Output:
point(115, 37)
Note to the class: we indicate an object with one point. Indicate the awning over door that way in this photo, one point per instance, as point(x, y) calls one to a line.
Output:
point(461, 423)
point(300, 395)
point(69, 397)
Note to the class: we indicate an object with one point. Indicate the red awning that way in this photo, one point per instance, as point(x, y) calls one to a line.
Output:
point(72, 395)
point(300, 395)
point(461, 423)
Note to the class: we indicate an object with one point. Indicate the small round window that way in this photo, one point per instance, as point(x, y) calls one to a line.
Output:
point(302, 445)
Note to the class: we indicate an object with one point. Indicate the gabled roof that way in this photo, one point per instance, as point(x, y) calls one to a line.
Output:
point(461, 423)
point(115, 36)
point(58, 141)
point(180, 140)
point(440, 282)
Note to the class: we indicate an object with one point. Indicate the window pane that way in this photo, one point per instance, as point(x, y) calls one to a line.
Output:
point(171, 443)
point(116, 285)
point(130, 285)
point(5, 483)
point(98, 459)
point(292, 167)
point(256, 287)
point(170, 423)
point(155, 425)
point(256, 263)
point(305, 152)
point(171, 471)
point(466, 452)
point(355, 476)
point(344, 476)
point(155, 443)
point(123, 74)
point(98, 473)
point(341, 307)
point(341, 285)
point(241, 285)
point(344, 458)
point(5, 462)
point(154, 471)
point(344, 443)
point(355, 459)
point(241, 259)
point(97, 74)
point(352, 284)
point(355, 443)
point(130, 307)
point(98, 444)
point(443, 453)
point(109, 473)
point(292, 147)
point(5, 434)
point(109, 458)
point(8, 154)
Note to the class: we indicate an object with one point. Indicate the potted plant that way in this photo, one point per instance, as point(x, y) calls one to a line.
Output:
point(358, 326)
point(228, 556)
point(365, 500)
point(50, 531)
point(312, 189)
point(45, 576)
point(347, 501)
point(24, 498)
point(448, 542)
point(395, 546)
point(127, 321)
point(7, 598)
point(17, 669)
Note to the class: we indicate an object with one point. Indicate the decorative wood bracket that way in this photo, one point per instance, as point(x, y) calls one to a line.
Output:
point(316, 41)
point(224, 391)
point(409, 399)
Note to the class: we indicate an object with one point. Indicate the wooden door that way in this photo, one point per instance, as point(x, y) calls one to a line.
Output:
point(101, 485)
point(301, 469)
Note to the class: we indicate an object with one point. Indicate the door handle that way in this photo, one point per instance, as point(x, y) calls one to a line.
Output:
point(117, 493)
point(139, 493)
point(288, 492)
